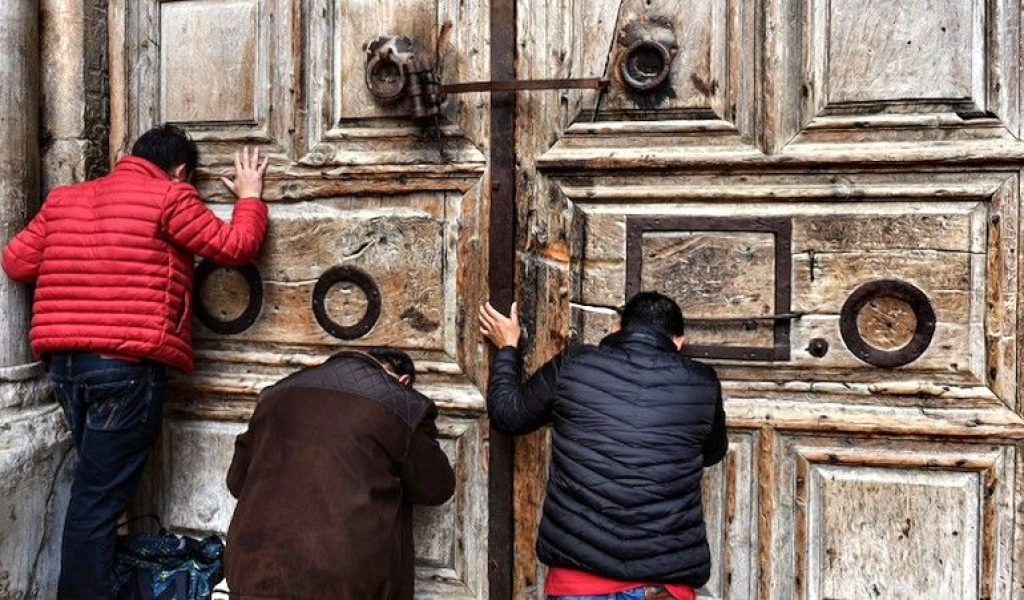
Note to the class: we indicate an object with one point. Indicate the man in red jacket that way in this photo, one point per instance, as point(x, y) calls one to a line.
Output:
point(112, 263)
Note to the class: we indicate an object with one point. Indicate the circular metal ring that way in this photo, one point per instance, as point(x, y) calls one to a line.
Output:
point(252, 310)
point(632, 70)
point(924, 327)
point(361, 280)
point(385, 77)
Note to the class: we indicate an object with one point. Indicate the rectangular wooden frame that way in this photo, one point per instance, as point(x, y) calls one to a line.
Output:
point(782, 228)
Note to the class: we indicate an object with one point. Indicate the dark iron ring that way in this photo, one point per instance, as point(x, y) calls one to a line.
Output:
point(361, 280)
point(252, 310)
point(385, 92)
point(645, 84)
point(923, 331)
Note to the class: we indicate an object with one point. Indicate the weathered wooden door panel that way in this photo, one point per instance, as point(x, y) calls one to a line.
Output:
point(749, 255)
point(891, 519)
point(781, 75)
point(914, 71)
point(345, 126)
point(832, 192)
point(731, 509)
point(376, 238)
point(831, 189)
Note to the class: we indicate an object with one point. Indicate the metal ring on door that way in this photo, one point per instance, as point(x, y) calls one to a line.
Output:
point(646, 65)
point(919, 339)
point(361, 280)
point(252, 309)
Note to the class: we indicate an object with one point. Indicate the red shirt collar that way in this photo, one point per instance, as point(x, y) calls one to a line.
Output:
point(140, 166)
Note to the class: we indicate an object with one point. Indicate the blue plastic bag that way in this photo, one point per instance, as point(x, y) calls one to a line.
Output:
point(167, 566)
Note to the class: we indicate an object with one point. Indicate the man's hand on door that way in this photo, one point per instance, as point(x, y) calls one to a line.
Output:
point(249, 173)
point(503, 331)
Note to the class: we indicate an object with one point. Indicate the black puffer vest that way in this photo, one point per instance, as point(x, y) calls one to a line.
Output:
point(624, 496)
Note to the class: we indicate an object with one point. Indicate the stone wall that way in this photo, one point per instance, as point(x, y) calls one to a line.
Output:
point(56, 122)
point(76, 91)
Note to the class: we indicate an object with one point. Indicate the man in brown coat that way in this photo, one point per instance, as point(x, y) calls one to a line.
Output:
point(326, 475)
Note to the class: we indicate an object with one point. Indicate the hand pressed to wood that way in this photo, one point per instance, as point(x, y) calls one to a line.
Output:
point(249, 172)
point(503, 331)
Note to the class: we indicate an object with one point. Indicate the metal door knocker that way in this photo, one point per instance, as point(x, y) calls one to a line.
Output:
point(650, 48)
point(387, 65)
point(394, 73)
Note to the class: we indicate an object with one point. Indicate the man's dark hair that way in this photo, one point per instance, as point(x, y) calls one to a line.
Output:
point(168, 146)
point(397, 361)
point(654, 310)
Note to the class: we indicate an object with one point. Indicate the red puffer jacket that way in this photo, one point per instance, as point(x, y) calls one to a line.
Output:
point(112, 262)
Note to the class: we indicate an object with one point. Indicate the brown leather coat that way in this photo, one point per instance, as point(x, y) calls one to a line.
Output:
point(326, 475)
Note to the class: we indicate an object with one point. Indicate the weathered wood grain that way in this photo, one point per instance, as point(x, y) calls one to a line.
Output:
point(947, 354)
point(395, 247)
point(729, 507)
point(209, 61)
point(772, 552)
point(920, 230)
point(926, 498)
point(1002, 294)
point(877, 50)
point(715, 275)
point(892, 160)
point(227, 86)
point(354, 25)
point(197, 456)
point(344, 125)
point(944, 276)
point(225, 294)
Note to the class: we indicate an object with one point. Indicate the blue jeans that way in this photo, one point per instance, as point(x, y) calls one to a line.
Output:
point(637, 594)
point(114, 409)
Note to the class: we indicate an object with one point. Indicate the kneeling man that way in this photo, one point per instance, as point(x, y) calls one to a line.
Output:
point(326, 475)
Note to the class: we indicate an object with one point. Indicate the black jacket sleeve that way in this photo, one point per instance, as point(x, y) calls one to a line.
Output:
point(717, 443)
point(515, 408)
point(427, 476)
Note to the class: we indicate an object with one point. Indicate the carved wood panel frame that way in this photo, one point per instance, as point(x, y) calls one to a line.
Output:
point(327, 136)
point(995, 227)
point(141, 104)
point(794, 534)
point(781, 228)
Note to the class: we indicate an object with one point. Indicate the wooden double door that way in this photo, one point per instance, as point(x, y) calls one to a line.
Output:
point(830, 188)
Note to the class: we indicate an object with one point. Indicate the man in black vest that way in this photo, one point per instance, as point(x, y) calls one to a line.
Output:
point(634, 425)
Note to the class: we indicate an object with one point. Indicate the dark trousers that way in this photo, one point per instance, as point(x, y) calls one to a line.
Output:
point(114, 409)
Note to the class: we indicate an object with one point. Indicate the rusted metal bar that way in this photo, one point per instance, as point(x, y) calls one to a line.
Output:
point(790, 316)
point(501, 273)
point(520, 85)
